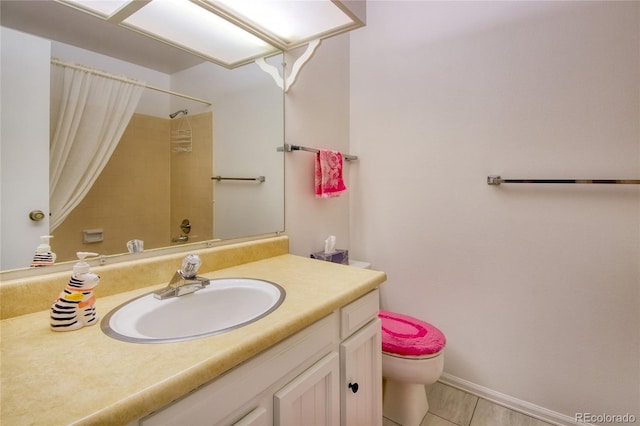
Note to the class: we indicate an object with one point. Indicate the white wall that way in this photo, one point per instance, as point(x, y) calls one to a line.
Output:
point(536, 287)
point(317, 115)
point(24, 145)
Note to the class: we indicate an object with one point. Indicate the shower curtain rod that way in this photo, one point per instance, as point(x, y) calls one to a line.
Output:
point(497, 180)
point(60, 63)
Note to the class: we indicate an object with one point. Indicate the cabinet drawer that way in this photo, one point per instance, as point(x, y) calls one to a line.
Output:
point(358, 313)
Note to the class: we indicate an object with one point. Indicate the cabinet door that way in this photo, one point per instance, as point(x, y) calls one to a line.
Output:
point(361, 377)
point(312, 398)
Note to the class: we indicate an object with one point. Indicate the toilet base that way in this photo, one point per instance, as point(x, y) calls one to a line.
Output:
point(405, 403)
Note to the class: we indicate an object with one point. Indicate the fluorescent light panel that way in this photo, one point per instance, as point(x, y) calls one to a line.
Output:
point(200, 30)
point(289, 20)
point(190, 26)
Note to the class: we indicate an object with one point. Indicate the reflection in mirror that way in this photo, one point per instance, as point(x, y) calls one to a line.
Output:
point(157, 177)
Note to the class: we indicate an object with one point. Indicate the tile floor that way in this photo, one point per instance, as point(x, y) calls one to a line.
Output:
point(452, 407)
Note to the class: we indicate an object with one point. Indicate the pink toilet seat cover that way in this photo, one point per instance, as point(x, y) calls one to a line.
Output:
point(405, 335)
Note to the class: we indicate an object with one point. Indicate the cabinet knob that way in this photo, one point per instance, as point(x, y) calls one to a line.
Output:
point(353, 387)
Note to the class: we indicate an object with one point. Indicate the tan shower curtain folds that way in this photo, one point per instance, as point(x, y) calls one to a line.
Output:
point(89, 114)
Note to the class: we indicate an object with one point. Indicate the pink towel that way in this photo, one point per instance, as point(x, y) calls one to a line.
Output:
point(328, 180)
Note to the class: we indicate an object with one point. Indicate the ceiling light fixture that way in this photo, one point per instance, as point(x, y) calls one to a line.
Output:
point(230, 32)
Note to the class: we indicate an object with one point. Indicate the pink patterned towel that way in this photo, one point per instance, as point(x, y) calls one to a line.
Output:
point(328, 182)
point(405, 335)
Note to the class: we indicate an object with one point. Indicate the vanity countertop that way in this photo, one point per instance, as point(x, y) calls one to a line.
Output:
point(86, 377)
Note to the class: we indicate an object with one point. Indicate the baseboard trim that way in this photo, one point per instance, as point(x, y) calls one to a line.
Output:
point(510, 402)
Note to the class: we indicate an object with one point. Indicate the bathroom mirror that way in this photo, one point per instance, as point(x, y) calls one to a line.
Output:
point(240, 132)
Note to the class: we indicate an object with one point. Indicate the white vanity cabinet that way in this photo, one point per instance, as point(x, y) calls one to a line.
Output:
point(304, 380)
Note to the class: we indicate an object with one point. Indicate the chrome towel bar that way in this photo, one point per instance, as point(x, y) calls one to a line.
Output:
point(497, 180)
point(256, 179)
point(288, 148)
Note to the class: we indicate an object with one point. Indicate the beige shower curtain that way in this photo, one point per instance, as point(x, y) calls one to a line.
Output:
point(89, 114)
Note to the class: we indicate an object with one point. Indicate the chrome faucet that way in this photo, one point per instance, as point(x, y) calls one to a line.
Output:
point(185, 280)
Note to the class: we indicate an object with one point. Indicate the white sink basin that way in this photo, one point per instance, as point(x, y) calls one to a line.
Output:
point(226, 304)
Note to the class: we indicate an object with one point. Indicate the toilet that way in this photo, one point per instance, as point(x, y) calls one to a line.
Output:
point(412, 357)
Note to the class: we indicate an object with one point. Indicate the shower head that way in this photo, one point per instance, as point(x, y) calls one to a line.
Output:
point(174, 115)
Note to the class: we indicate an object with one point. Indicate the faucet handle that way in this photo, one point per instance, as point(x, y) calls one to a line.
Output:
point(190, 265)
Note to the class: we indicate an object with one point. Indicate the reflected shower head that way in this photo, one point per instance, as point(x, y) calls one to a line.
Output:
point(184, 111)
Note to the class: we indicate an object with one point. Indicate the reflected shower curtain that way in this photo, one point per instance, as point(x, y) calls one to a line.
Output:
point(89, 115)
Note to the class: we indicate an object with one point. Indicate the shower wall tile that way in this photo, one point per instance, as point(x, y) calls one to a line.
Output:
point(130, 199)
point(146, 190)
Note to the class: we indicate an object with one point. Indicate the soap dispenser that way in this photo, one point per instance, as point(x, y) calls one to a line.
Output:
point(75, 307)
point(44, 256)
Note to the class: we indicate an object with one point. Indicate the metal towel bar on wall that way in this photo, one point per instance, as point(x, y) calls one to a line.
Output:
point(256, 179)
point(288, 148)
point(497, 180)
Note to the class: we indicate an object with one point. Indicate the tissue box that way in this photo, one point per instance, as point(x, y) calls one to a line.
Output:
point(338, 256)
